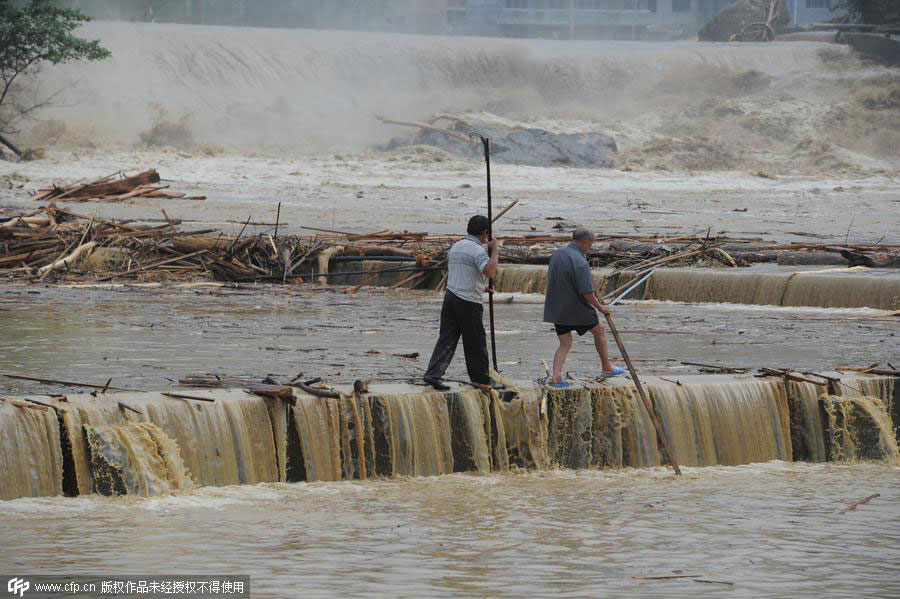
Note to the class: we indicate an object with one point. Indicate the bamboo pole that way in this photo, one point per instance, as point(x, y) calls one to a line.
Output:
point(487, 161)
point(661, 433)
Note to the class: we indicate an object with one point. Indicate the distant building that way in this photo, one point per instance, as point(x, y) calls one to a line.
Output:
point(581, 19)
point(805, 12)
point(553, 19)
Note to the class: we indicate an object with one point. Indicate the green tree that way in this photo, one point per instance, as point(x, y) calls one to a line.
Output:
point(873, 12)
point(34, 33)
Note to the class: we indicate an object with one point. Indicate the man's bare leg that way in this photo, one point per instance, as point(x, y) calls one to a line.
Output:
point(559, 359)
point(600, 344)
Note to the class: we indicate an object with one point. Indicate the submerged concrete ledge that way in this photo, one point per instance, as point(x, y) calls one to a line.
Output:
point(152, 444)
point(829, 288)
point(856, 287)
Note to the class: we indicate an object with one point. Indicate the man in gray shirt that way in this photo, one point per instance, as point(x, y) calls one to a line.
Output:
point(570, 304)
point(468, 267)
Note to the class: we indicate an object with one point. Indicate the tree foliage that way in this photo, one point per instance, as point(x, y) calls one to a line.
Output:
point(873, 12)
point(34, 33)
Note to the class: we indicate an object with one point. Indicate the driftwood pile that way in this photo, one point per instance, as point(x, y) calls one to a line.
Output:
point(60, 243)
point(57, 243)
point(113, 188)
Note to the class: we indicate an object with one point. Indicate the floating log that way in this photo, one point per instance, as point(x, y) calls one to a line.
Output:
point(110, 189)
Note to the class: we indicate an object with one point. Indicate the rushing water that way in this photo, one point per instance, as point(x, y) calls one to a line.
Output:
point(148, 338)
point(322, 89)
point(768, 530)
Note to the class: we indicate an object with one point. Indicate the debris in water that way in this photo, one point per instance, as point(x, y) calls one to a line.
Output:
point(112, 189)
point(859, 502)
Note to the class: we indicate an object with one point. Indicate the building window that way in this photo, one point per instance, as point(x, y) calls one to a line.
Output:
point(681, 5)
point(818, 4)
point(651, 5)
point(593, 4)
point(516, 3)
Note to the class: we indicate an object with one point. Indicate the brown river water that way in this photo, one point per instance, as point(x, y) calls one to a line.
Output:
point(761, 530)
point(147, 338)
point(764, 530)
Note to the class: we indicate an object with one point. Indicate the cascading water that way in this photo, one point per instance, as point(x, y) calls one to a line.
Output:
point(859, 425)
point(717, 285)
point(850, 288)
point(414, 432)
point(318, 427)
point(245, 86)
point(146, 444)
point(807, 427)
point(31, 461)
point(136, 459)
point(725, 423)
point(533, 279)
point(226, 442)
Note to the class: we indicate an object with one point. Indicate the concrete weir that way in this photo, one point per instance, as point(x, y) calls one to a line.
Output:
point(151, 444)
point(834, 287)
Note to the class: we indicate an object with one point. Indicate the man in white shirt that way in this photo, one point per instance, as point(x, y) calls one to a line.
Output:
point(469, 266)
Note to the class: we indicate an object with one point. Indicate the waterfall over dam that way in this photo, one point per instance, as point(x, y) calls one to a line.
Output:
point(153, 444)
point(856, 287)
point(321, 90)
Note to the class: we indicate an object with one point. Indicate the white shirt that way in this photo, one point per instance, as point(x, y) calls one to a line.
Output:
point(465, 263)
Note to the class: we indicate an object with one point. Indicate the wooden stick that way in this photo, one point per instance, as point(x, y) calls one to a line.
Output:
point(487, 161)
point(194, 397)
point(447, 132)
point(11, 146)
point(640, 388)
point(78, 188)
point(277, 219)
point(76, 253)
point(410, 278)
point(716, 367)
point(858, 503)
point(877, 371)
point(505, 210)
point(789, 376)
point(25, 220)
point(318, 392)
point(443, 282)
point(125, 406)
point(368, 280)
point(66, 383)
point(667, 576)
point(149, 266)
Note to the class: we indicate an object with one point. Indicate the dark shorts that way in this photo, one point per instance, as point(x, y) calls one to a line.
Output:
point(581, 329)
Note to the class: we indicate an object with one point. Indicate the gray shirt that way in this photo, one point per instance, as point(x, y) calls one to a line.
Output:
point(568, 278)
point(465, 263)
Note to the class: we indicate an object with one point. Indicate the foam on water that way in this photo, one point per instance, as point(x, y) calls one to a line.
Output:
point(323, 88)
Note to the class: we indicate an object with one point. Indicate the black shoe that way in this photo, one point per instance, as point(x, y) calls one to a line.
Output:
point(436, 383)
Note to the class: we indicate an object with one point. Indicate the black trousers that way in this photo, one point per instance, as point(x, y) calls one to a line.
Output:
point(459, 317)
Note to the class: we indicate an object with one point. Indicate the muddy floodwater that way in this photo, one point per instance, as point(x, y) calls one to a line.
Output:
point(148, 337)
point(780, 142)
point(766, 530)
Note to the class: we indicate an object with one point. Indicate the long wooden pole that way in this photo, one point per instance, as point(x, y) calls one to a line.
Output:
point(10, 145)
point(487, 160)
point(660, 432)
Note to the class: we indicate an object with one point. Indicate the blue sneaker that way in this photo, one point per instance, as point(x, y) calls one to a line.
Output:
point(560, 385)
point(616, 371)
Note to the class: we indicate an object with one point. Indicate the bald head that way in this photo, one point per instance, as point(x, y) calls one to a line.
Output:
point(583, 239)
point(582, 234)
